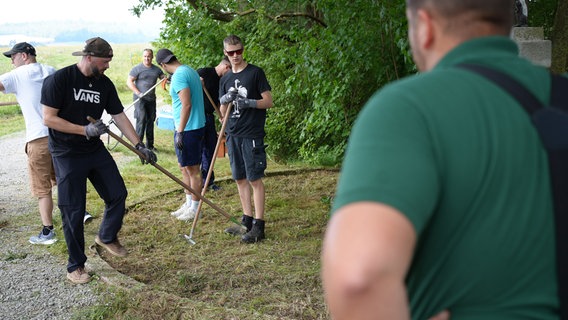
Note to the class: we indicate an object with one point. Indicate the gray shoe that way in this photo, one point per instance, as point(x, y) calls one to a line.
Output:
point(44, 239)
point(236, 230)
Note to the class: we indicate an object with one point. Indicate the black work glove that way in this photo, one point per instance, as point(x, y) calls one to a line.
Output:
point(178, 140)
point(149, 155)
point(229, 96)
point(94, 130)
point(244, 103)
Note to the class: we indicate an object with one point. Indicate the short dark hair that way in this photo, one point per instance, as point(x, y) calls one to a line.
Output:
point(497, 12)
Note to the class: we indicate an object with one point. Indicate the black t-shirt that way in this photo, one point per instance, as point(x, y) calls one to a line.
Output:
point(211, 81)
point(77, 97)
point(246, 123)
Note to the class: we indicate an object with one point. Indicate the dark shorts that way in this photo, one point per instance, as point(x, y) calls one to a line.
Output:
point(192, 145)
point(247, 157)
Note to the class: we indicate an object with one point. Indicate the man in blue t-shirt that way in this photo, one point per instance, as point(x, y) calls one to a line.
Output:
point(189, 121)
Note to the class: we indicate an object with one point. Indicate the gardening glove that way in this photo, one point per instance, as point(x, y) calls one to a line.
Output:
point(94, 130)
point(149, 155)
point(178, 140)
point(229, 96)
point(244, 103)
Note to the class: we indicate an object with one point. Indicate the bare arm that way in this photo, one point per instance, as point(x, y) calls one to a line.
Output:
point(125, 126)
point(2, 87)
point(367, 251)
point(185, 98)
point(52, 120)
point(265, 102)
point(131, 85)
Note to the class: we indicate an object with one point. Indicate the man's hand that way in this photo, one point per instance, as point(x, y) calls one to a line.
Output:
point(149, 155)
point(178, 140)
point(94, 130)
point(140, 95)
point(244, 103)
point(229, 96)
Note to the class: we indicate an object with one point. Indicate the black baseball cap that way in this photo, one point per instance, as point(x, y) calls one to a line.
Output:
point(164, 56)
point(21, 47)
point(96, 47)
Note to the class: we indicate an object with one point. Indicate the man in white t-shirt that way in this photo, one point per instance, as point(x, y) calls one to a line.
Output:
point(26, 81)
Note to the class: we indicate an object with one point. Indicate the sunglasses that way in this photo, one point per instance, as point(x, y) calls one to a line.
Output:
point(232, 53)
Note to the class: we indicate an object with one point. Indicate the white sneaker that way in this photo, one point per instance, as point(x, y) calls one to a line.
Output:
point(187, 215)
point(181, 210)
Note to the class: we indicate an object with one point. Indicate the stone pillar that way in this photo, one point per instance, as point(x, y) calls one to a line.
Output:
point(532, 45)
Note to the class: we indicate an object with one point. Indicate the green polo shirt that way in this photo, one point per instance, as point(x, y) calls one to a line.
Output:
point(460, 158)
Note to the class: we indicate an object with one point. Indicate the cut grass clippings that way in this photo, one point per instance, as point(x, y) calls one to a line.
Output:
point(219, 277)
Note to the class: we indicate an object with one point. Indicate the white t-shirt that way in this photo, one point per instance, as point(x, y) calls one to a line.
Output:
point(25, 81)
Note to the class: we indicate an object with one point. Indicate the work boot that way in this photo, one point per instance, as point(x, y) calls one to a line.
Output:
point(79, 276)
point(115, 248)
point(256, 233)
point(238, 230)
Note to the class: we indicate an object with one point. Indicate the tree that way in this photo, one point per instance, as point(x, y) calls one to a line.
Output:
point(559, 38)
point(324, 59)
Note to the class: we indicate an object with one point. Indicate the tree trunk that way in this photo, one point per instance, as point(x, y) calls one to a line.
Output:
point(559, 38)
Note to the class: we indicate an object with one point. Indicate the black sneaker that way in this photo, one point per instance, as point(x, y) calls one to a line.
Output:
point(255, 234)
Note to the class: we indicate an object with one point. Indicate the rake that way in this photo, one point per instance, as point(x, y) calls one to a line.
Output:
point(170, 175)
point(209, 173)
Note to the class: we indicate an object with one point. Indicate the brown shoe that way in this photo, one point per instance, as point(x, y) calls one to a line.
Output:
point(79, 276)
point(115, 248)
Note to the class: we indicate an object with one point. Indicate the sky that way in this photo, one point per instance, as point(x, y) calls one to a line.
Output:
point(64, 10)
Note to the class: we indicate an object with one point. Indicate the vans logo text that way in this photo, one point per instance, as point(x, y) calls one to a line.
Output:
point(87, 96)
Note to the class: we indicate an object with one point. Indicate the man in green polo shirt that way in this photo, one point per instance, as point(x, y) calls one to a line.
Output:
point(444, 205)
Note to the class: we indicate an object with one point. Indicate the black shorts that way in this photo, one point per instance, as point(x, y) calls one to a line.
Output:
point(247, 157)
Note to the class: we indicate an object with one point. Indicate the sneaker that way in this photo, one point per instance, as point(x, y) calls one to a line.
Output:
point(44, 239)
point(236, 230)
point(153, 149)
point(255, 234)
point(87, 217)
point(214, 187)
point(180, 211)
point(115, 248)
point(188, 214)
point(79, 276)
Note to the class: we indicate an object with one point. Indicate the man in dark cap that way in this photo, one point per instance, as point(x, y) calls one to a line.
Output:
point(69, 96)
point(25, 81)
point(189, 120)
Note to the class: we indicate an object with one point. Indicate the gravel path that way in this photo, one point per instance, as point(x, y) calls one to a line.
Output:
point(33, 282)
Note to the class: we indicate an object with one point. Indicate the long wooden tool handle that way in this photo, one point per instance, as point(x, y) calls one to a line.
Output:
point(211, 99)
point(221, 134)
point(167, 173)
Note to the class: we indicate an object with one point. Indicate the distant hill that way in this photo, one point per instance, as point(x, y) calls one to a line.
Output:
point(52, 32)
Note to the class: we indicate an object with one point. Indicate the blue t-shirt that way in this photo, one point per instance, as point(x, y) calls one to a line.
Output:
point(186, 77)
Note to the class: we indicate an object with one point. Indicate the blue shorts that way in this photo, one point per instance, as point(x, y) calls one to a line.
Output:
point(247, 157)
point(190, 155)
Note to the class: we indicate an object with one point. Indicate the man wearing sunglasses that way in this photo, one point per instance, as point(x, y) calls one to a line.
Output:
point(246, 87)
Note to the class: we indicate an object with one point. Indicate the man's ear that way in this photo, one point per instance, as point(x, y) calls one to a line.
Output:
point(425, 29)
